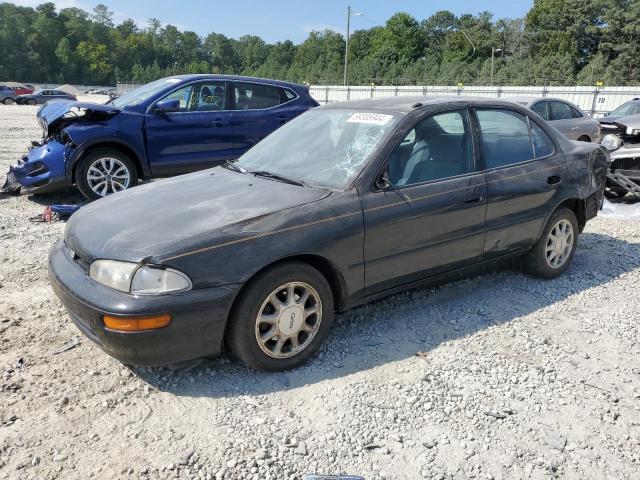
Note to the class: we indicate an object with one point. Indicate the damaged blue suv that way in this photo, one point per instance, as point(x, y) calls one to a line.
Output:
point(171, 126)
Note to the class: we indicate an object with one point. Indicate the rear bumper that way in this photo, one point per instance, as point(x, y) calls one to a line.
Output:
point(41, 170)
point(196, 330)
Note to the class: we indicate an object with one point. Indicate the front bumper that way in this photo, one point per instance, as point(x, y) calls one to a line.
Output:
point(41, 170)
point(198, 316)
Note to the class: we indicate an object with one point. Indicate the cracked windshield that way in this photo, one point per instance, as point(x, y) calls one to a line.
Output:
point(325, 148)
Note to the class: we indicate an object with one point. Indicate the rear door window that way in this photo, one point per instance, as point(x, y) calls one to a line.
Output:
point(560, 111)
point(541, 109)
point(505, 138)
point(256, 96)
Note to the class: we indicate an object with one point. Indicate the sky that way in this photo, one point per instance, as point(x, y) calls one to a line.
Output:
point(277, 20)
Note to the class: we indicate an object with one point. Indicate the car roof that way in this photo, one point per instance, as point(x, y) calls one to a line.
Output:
point(407, 104)
point(238, 78)
point(528, 100)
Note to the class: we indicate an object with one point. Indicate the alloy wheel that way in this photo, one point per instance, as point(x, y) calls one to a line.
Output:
point(559, 244)
point(288, 320)
point(108, 175)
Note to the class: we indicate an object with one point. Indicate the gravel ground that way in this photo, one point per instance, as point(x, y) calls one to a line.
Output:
point(500, 376)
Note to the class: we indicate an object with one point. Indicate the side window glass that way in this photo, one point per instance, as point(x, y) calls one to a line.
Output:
point(505, 137)
point(542, 144)
point(255, 96)
point(209, 96)
point(560, 111)
point(183, 95)
point(576, 113)
point(206, 97)
point(541, 109)
point(438, 147)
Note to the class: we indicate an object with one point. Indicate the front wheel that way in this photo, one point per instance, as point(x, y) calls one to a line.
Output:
point(105, 171)
point(8, 101)
point(556, 247)
point(281, 317)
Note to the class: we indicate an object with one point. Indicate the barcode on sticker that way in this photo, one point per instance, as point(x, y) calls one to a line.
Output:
point(371, 118)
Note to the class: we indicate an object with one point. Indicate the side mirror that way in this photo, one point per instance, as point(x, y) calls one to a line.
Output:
point(383, 183)
point(167, 106)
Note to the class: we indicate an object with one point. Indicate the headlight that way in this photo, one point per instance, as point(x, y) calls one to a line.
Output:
point(611, 142)
point(131, 278)
point(153, 280)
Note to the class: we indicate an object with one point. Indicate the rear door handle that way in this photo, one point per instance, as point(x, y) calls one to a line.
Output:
point(473, 199)
point(554, 179)
point(217, 123)
point(282, 119)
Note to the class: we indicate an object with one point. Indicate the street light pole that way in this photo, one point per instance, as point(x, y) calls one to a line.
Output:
point(493, 52)
point(346, 49)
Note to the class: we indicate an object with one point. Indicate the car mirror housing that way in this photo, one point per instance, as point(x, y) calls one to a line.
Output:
point(167, 106)
point(383, 183)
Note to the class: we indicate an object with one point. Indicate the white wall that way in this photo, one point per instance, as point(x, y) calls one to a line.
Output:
point(593, 100)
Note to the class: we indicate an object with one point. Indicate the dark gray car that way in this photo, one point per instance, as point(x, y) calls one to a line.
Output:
point(7, 96)
point(565, 116)
point(43, 96)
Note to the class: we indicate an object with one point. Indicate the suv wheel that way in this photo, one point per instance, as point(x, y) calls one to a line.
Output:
point(105, 171)
point(556, 247)
point(281, 318)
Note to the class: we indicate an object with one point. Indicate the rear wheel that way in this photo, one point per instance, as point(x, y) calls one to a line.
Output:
point(31, 102)
point(281, 317)
point(105, 171)
point(556, 247)
point(8, 101)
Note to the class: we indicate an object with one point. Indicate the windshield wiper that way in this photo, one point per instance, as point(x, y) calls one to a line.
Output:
point(280, 178)
point(231, 165)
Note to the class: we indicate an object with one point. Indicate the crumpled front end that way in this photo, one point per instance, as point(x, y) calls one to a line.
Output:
point(40, 170)
point(623, 175)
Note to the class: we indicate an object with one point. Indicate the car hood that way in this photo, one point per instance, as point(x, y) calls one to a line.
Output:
point(56, 113)
point(155, 220)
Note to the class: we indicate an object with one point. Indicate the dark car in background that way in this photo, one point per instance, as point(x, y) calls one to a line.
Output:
point(171, 126)
point(7, 95)
point(43, 96)
point(347, 203)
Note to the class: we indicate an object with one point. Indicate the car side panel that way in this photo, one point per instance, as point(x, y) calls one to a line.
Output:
point(331, 229)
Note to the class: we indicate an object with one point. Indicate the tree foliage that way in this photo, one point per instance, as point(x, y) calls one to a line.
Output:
point(558, 42)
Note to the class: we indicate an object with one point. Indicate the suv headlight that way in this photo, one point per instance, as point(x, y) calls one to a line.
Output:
point(141, 280)
point(611, 142)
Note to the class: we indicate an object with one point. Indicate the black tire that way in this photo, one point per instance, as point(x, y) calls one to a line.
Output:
point(584, 138)
point(31, 102)
point(241, 331)
point(536, 262)
point(93, 155)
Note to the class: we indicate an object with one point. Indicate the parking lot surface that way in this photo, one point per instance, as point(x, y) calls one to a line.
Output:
point(497, 376)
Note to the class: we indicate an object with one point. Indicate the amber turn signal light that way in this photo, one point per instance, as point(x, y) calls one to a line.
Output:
point(136, 324)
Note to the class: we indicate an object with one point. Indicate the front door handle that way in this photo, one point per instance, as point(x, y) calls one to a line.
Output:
point(217, 123)
point(474, 199)
point(282, 119)
point(554, 179)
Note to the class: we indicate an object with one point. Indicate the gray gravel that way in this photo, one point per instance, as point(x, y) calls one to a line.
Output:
point(501, 376)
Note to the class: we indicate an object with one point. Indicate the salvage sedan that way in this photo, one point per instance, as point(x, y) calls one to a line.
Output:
point(345, 204)
point(622, 139)
point(44, 96)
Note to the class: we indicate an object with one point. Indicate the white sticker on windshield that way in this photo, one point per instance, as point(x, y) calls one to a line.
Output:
point(371, 118)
